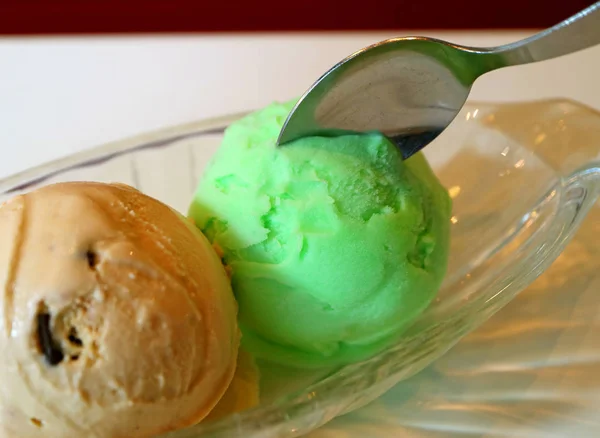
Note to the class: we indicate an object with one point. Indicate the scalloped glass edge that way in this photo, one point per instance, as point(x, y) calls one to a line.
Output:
point(356, 385)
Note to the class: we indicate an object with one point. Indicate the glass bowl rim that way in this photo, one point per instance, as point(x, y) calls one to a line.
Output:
point(211, 125)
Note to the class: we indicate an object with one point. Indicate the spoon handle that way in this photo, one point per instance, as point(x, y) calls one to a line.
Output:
point(578, 32)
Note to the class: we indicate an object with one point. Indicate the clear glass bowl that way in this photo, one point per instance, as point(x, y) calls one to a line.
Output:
point(521, 179)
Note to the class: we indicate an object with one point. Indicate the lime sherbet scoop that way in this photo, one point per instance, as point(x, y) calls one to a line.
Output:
point(335, 244)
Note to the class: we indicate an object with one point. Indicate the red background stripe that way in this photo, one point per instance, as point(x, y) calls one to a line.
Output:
point(155, 16)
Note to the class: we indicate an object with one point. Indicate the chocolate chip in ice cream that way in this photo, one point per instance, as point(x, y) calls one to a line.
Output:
point(49, 347)
point(92, 258)
point(73, 339)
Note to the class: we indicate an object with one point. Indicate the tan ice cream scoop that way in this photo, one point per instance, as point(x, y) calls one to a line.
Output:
point(116, 316)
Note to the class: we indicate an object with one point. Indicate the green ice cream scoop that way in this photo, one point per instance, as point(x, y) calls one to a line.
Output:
point(335, 244)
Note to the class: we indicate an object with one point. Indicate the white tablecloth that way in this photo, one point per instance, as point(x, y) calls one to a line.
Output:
point(58, 96)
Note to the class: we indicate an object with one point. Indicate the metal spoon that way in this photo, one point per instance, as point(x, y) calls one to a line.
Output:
point(411, 88)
